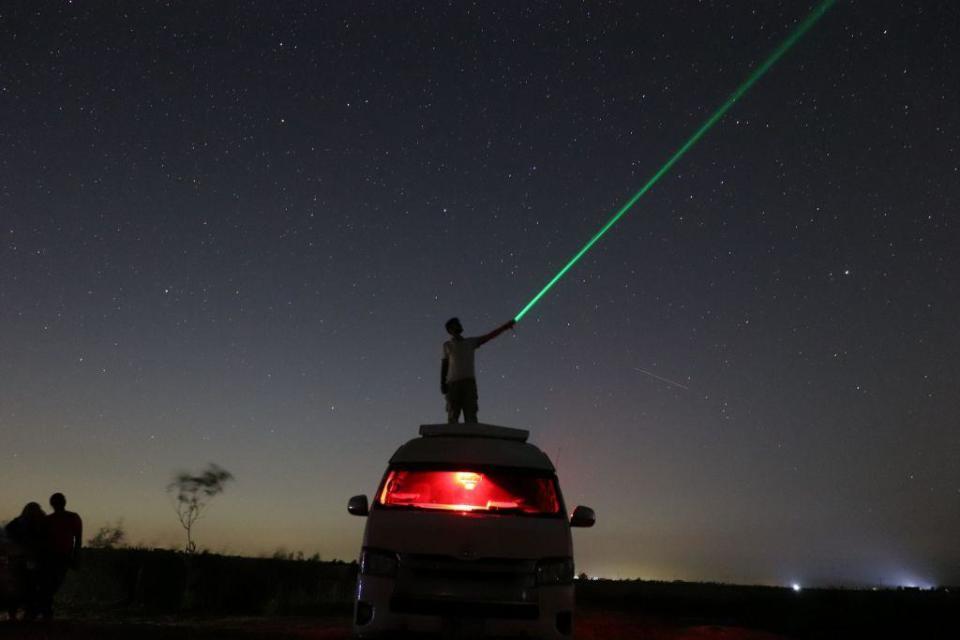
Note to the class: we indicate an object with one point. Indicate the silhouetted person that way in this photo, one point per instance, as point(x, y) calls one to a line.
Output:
point(27, 533)
point(64, 537)
point(458, 381)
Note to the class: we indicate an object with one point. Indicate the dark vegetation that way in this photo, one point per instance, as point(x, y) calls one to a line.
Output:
point(109, 536)
point(808, 614)
point(146, 582)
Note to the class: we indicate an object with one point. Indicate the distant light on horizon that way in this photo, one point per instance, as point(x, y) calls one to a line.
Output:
point(796, 587)
point(909, 580)
point(916, 585)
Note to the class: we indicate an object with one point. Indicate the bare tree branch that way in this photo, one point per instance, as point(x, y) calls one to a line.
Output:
point(192, 494)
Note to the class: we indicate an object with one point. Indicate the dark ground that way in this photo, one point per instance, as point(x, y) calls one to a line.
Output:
point(156, 595)
point(654, 611)
point(591, 625)
point(812, 614)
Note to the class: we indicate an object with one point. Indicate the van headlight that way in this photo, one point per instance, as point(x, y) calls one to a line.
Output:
point(555, 571)
point(378, 562)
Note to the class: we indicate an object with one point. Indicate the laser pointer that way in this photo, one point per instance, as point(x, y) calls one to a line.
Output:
point(757, 73)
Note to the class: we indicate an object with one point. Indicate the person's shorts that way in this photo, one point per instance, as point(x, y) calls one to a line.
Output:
point(462, 396)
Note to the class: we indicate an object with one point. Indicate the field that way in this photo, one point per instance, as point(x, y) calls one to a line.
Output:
point(159, 595)
point(590, 626)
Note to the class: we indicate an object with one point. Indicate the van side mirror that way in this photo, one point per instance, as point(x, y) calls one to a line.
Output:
point(358, 506)
point(583, 517)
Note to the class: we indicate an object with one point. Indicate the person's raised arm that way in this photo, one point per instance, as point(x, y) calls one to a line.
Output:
point(493, 334)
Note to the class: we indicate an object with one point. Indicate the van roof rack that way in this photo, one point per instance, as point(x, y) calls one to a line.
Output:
point(473, 430)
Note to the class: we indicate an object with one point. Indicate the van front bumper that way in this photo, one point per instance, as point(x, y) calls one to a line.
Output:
point(545, 612)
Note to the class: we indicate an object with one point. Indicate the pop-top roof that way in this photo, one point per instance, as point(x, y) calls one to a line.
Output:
point(472, 445)
point(474, 430)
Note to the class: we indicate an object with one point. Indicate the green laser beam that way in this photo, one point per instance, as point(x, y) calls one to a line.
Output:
point(757, 73)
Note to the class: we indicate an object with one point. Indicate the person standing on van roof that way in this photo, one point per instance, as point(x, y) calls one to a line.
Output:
point(458, 382)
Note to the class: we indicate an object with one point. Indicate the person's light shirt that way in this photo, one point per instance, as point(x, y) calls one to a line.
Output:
point(459, 356)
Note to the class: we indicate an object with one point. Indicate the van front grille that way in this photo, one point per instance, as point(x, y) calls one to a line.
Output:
point(500, 580)
point(462, 609)
point(521, 572)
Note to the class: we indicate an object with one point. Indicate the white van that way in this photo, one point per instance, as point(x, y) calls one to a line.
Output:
point(467, 535)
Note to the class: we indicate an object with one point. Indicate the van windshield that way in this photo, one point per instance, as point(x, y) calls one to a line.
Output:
point(495, 491)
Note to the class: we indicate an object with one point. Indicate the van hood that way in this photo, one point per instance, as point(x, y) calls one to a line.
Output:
point(467, 535)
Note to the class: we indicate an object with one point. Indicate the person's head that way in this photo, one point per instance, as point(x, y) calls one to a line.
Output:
point(32, 510)
point(58, 501)
point(454, 327)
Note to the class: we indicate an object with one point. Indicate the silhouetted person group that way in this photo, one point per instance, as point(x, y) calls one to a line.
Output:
point(45, 546)
point(458, 381)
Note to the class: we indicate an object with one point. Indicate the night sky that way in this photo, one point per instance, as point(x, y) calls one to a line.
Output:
point(232, 232)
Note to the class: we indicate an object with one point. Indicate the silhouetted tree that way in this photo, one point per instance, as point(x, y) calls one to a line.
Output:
point(109, 536)
point(192, 494)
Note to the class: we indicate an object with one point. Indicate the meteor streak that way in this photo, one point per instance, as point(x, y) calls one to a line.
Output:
point(757, 73)
point(662, 379)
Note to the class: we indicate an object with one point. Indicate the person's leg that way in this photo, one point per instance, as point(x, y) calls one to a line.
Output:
point(19, 594)
point(52, 577)
point(470, 403)
point(32, 594)
point(25, 572)
point(43, 593)
point(453, 405)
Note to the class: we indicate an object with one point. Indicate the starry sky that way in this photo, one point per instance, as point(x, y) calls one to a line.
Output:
point(232, 233)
